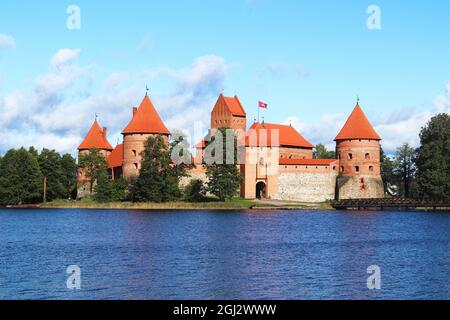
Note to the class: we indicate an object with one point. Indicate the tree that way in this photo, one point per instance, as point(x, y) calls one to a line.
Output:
point(195, 191)
point(433, 163)
point(224, 178)
point(69, 167)
point(387, 174)
point(50, 165)
point(405, 168)
point(21, 181)
point(158, 181)
point(107, 190)
point(321, 152)
point(93, 164)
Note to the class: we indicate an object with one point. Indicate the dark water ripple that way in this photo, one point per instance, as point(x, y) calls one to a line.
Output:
point(223, 255)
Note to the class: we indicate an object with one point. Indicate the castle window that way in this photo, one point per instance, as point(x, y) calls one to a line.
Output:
point(371, 168)
point(339, 156)
point(134, 153)
point(136, 166)
point(357, 168)
point(367, 156)
point(350, 156)
point(342, 169)
point(334, 168)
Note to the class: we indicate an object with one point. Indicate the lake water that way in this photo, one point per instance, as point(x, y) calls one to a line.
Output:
point(223, 255)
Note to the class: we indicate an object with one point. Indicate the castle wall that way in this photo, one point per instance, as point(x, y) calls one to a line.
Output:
point(306, 187)
point(360, 187)
point(295, 153)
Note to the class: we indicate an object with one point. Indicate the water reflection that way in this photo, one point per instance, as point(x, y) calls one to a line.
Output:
point(223, 255)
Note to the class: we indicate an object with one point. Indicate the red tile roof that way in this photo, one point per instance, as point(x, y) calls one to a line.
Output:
point(95, 139)
point(288, 136)
point(234, 105)
point(307, 162)
point(115, 159)
point(357, 127)
point(146, 120)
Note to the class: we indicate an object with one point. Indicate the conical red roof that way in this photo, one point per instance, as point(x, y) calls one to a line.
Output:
point(95, 139)
point(357, 127)
point(146, 120)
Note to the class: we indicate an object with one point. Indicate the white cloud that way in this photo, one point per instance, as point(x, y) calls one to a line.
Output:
point(396, 128)
point(7, 42)
point(60, 107)
point(65, 57)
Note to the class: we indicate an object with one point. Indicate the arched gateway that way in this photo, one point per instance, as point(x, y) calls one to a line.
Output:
point(261, 190)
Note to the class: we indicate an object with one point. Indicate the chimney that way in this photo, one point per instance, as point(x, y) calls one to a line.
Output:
point(105, 131)
point(134, 111)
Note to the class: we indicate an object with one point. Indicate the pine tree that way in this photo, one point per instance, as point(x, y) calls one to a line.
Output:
point(224, 178)
point(433, 163)
point(158, 181)
point(69, 167)
point(104, 188)
point(390, 181)
point(404, 168)
point(21, 181)
point(195, 191)
point(50, 165)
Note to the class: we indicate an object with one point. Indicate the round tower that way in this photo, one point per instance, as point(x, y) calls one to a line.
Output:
point(358, 150)
point(144, 124)
point(95, 139)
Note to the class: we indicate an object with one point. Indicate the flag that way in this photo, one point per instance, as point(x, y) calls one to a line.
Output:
point(262, 105)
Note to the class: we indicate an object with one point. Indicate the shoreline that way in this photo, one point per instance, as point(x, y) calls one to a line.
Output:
point(234, 205)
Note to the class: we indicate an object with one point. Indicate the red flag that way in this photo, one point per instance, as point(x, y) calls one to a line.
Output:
point(262, 105)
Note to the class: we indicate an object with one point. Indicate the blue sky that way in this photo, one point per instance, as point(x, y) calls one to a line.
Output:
point(307, 59)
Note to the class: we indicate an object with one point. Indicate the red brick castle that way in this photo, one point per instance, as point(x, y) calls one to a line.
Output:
point(280, 167)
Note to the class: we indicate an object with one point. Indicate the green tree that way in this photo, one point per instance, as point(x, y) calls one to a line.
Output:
point(93, 165)
point(104, 187)
point(107, 190)
point(224, 178)
point(158, 180)
point(195, 191)
point(433, 163)
point(21, 181)
point(390, 181)
point(69, 167)
point(405, 168)
point(50, 165)
point(321, 152)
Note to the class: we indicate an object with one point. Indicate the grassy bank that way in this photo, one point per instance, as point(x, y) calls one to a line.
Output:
point(234, 204)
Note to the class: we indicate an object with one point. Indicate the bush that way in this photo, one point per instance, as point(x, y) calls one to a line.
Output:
point(195, 191)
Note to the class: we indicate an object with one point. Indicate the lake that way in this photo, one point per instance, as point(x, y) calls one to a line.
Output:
point(126, 254)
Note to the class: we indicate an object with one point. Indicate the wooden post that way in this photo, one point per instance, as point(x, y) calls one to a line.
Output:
point(45, 189)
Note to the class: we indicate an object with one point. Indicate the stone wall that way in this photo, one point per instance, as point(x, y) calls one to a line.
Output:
point(193, 175)
point(360, 187)
point(306, 187)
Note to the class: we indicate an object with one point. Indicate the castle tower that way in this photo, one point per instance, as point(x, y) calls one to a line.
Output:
point(145, 123)
point(358, 151)
point(228, 112)
point(95, 139)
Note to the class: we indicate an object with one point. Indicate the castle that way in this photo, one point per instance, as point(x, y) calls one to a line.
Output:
point(280, 167)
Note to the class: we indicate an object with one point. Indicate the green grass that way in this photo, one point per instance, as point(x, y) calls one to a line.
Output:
point(234, 204)
point(209, 204)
